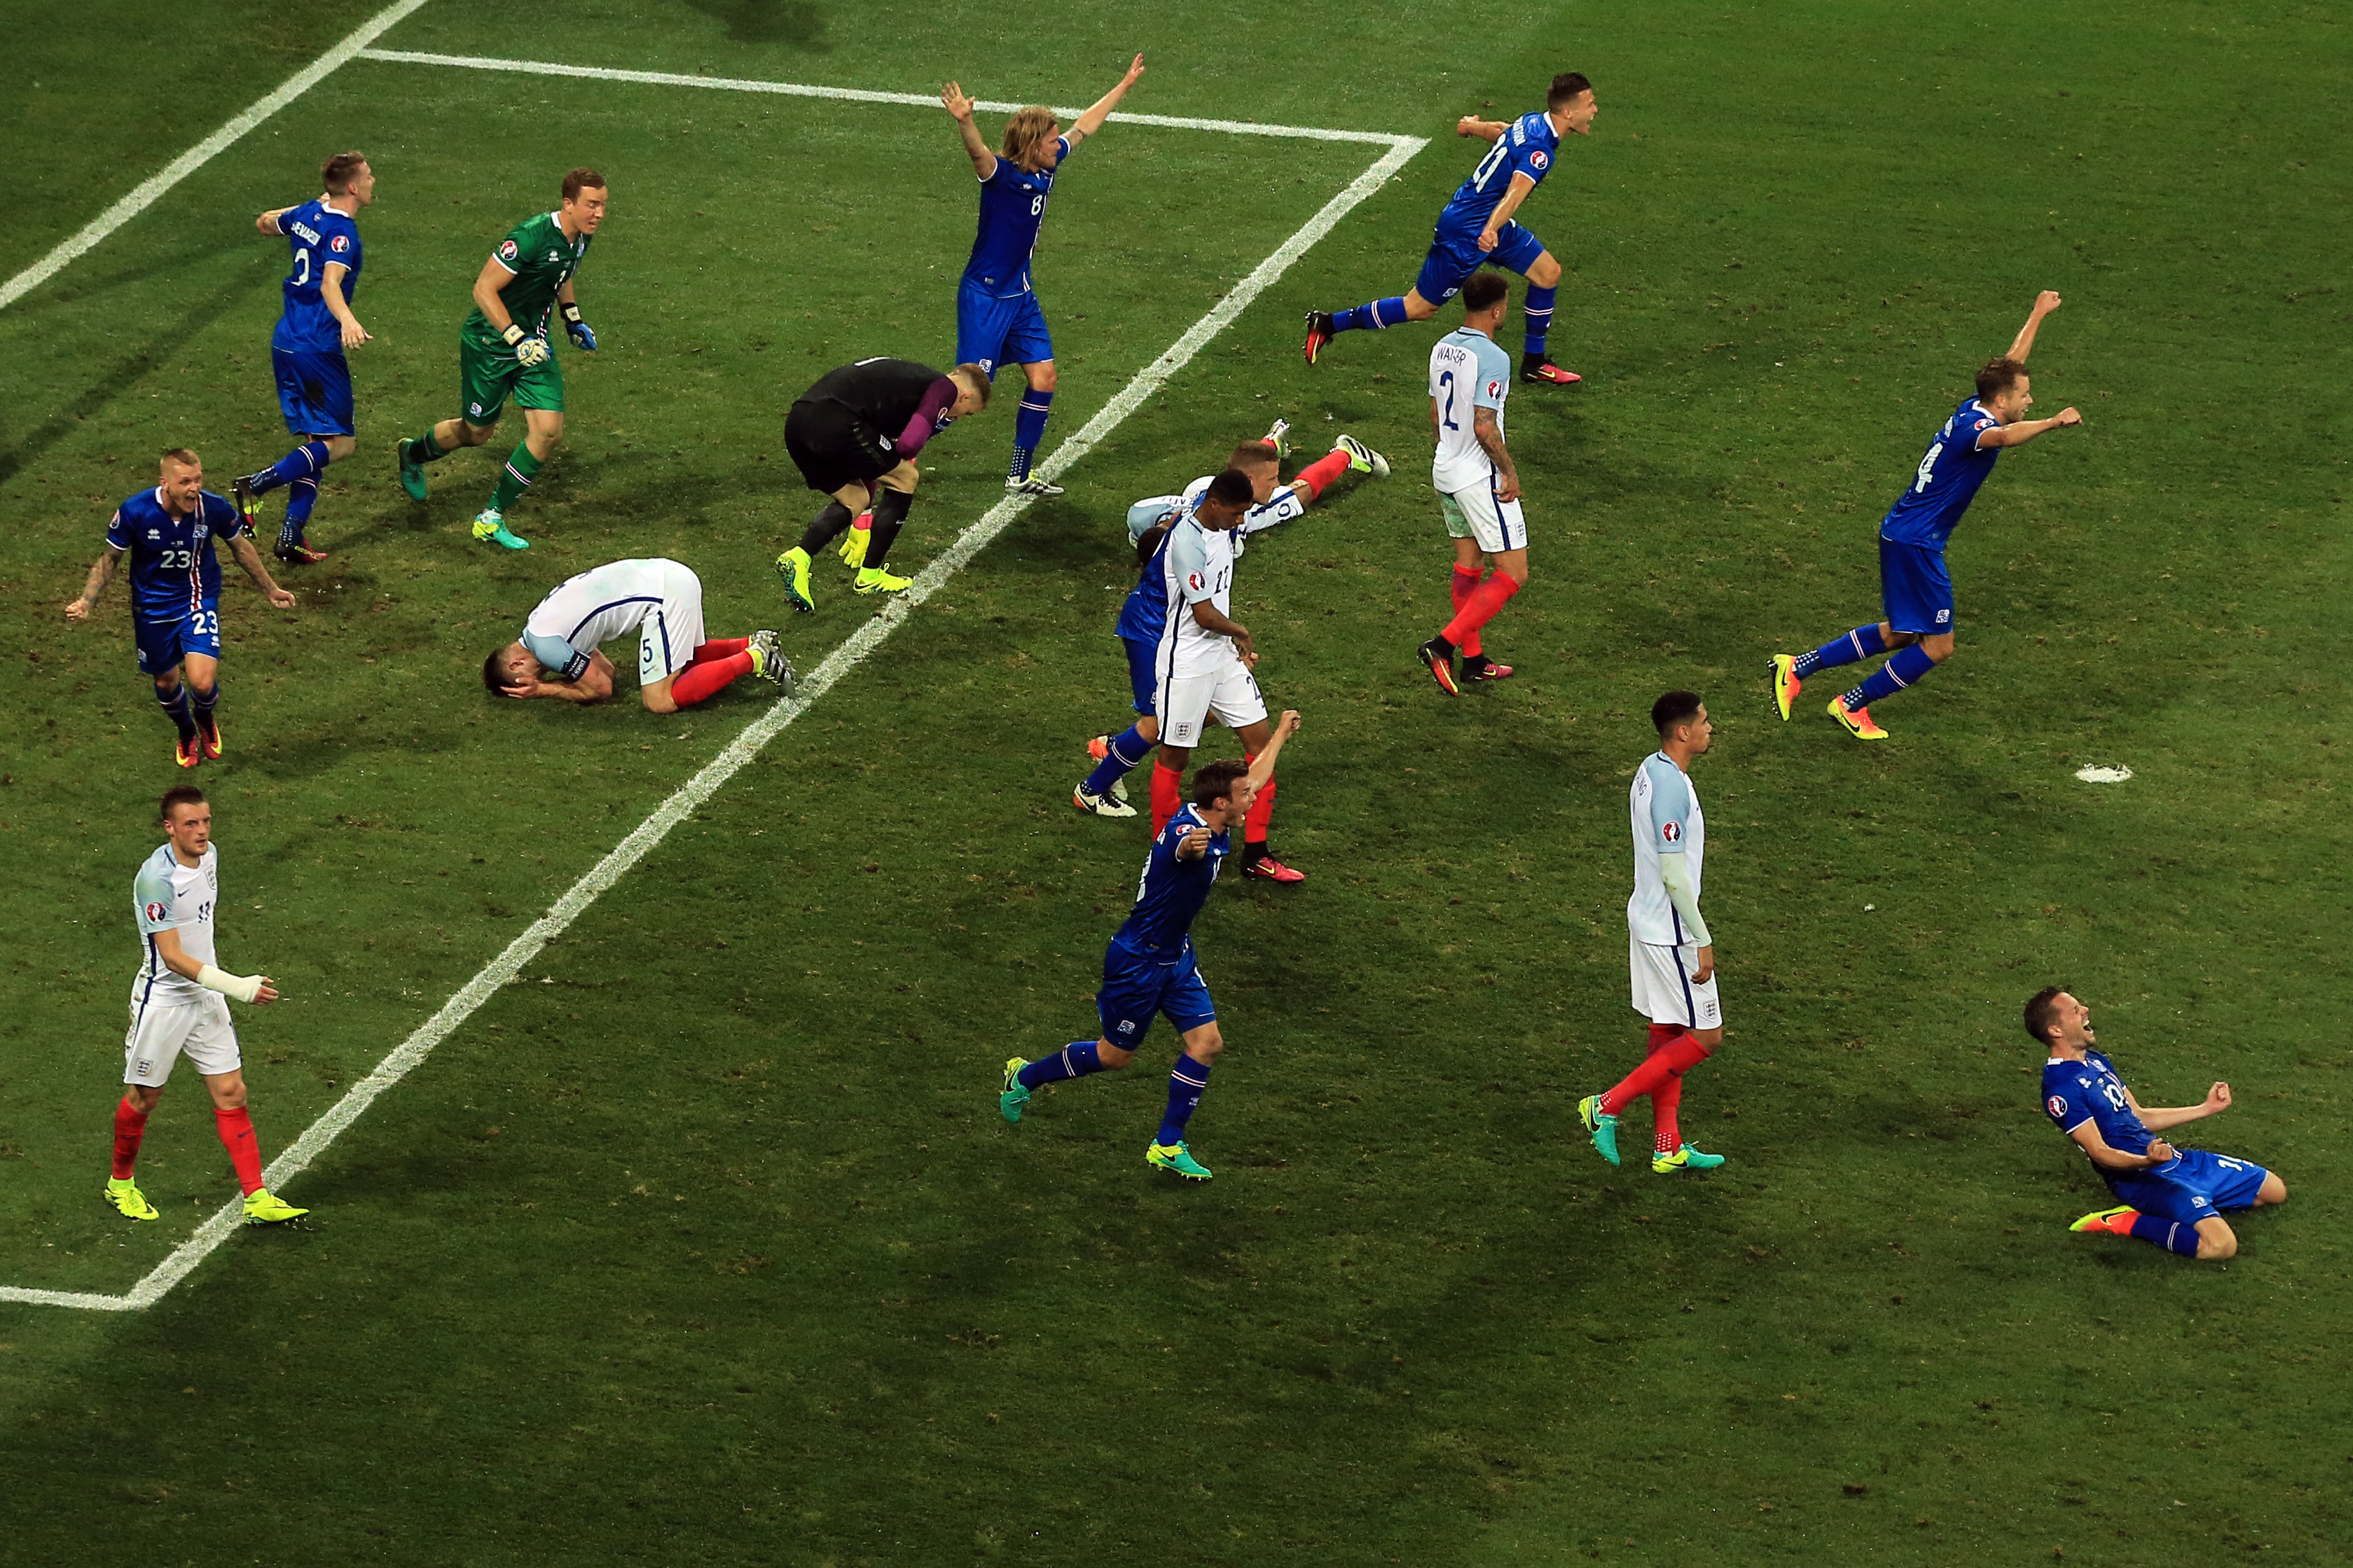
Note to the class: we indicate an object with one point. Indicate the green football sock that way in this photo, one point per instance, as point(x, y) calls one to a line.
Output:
point(514, 478)
point(425, 449)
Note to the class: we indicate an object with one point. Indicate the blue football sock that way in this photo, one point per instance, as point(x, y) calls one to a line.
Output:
point(1861, 643)
point(1121, 758)
point(1538, 314)
point(1379, 313)
point(301, 497)
point(2171, 1235)
point(1074, 1060)
point(176, 708)
point(1186, 1081)
point(1028, 429)
point(1907, 666)
point(303, 462)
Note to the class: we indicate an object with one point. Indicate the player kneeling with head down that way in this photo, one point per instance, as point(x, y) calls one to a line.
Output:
point(659, 599)
point(2173, 1198)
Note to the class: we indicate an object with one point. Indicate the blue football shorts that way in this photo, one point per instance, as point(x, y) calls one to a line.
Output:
point(1143, 682)
point(1916, 587)
point(163, 644)
point(1454, 255)
point(991, 332)
point(1134, 988)
point(314, 390)
point(2196, 1185)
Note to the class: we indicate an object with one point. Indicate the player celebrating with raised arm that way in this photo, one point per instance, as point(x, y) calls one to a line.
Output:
point(661, 601)
point(1478, 485)
point(1149, 967)
point(175, 580)
point(179, 1004)
point(1145, 611)
point(1477, 229)
point(2173, 1198)
point(997, 318)
point(1914, 586)
point(315, 382)
point(502, 351)
point(854, 437)
point(1668, 945)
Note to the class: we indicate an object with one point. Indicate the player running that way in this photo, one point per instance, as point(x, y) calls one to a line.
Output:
point(179, 1005)
point(1914, 587)
point(502, 351)
point(997, 318)
point(175, 580)
point(1477, 230)
point(1145, 611)
point(2173, 1198)
point(659, 599)
point(854, 437)
point(315, 382)
point(1478, 486)
point(1668, 945)
point(1149, 965)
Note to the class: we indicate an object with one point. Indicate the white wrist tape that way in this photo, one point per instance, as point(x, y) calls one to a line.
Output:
point(244, 987)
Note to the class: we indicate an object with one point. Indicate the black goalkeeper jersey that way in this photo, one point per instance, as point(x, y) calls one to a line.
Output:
point(883, 393)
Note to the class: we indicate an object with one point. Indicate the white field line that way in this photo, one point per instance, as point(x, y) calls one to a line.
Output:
point(858, 95)
point(203, 153)
point(746, 745)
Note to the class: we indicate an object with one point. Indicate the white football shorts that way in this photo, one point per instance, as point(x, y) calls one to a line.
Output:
point(1663, 990)
point(1228, 694)
point(168, 1025)
point(672, 629)
point(1473, 513)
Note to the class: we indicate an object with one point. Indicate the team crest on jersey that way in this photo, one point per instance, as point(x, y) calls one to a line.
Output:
point(1672, 832)
point(507, 251)
point(2055, 1105)
point(340, 242)
point(156, 911)
point(1537, 161)
point(154, 533)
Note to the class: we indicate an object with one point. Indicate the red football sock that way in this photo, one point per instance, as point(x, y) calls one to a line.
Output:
point(130, 1127)
point(1466, 583)
point(1663, 1035)
point(1480, 607)
point(1316, 475)
point(244, 1149)
point(705, 678)
point(1666, 1137)
point(719, 648)
point(1668, 1061)
point(1168, 795)
point(1262, 812)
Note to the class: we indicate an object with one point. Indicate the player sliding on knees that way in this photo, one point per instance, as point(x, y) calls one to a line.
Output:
point(315, 382)
point(997, 319)
point(1477, 483)
point(1145, 611)
point(854, 437)
point(1149, 967)
point(1914, 586)
point(502, 351)
point(1669, 950)
point(1477, 229)
point(2173, 1198)
point(175, 580)
point(661, 601)
point(179, 1005)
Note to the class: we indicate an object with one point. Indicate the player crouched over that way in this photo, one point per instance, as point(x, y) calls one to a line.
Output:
point(2173, 1198)
point(659, 599)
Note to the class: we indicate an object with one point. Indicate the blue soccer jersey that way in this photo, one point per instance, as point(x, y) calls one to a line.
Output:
point(1528, 148)
point(1012, 209)
point(172, 570)
point(2089, 1090)
point(318, 235)
point(1946, 481)
point(1144, 612)
point(1171, 891)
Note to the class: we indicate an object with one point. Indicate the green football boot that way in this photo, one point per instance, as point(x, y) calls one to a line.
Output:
point(874, 580)
point(263, 1207)
point(492, 529)
point(1684, 1159)
point(1178, 1158)
point(793, 567)
point(412, 474)
point(1014, 1097)
point(1602, 1125)
point(124, 1194)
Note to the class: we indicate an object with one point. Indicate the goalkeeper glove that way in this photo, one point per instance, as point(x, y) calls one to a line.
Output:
point(528, 351)
point(582, 333)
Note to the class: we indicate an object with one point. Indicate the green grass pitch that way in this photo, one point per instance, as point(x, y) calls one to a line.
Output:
point(703, 1242)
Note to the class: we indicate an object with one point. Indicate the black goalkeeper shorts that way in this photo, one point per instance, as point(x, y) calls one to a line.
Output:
point(833, 448)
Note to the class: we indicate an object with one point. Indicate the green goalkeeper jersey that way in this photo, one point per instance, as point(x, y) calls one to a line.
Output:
point(542, 261)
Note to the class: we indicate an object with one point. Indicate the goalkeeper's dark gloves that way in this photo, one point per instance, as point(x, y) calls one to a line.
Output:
point(582, 333)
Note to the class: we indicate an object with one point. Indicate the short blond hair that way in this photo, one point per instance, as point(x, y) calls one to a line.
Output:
point(1027, 126)
point(180, 455)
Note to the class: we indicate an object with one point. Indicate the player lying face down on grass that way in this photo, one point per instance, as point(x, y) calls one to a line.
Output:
point(2173, 1198)
point(854, 437)
point(1149, 968)
point(661, 601)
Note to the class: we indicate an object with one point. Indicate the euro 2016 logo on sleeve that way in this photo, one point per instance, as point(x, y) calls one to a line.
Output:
point(507, 251)
point(340, 242)
point(1537, 160)
point(156, 911)
point(2055, 1105)
point(1672, 832)
point(1194, 581)
point(1495, 389)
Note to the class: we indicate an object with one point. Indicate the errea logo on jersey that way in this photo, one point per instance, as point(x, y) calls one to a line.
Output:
point(507, 251)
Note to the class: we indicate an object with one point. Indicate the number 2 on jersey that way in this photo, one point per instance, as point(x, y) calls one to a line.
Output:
point(1446, 417)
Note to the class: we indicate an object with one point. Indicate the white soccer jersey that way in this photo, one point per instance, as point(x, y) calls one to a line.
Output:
point(1198, 564)
point(1467, 373)
point(168, 896)
point(1666, 821)
point(612, 601)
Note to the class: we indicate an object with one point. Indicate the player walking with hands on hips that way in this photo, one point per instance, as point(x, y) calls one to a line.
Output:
point(1914, 586)
point(1149, 967)
point(1477, 483)
point(1668, 949)
point(997, 318)
point(179, 1007)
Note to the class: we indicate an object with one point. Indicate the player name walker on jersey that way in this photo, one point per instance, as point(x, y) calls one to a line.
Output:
point(317, 235)
point(1666, 819)
point(1467, 373)
point(168, 896)
point(1946, 481)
